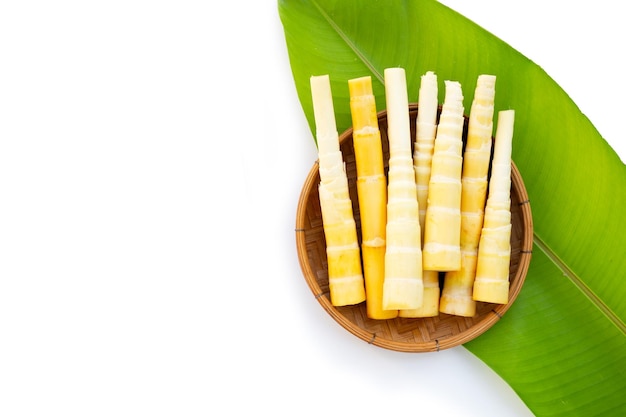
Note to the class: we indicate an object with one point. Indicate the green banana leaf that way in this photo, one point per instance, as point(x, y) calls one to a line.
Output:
point(562, 345)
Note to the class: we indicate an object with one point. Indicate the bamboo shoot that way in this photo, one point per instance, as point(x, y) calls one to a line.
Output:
point(403, 286)
point(442, 250)
point(494, 249)
point(371, 191)
point(345, 277)
point(425, 131)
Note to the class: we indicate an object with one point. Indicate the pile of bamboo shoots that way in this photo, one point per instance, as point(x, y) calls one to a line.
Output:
point(442, 210)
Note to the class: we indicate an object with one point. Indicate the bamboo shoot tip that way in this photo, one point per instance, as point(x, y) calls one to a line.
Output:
point(487, 78)
point(320, 78)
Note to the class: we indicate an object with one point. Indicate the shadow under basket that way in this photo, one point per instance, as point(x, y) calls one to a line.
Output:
point(404, 334)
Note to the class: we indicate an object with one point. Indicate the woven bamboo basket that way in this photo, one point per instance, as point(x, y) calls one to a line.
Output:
point(404, 334)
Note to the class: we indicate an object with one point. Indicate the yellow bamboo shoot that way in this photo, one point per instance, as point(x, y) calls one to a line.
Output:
point(456, 296)
point(403, 286)
point(494, 249)
point(345, 276)
point(425, 131)
point(442, 249)
point(371, 191)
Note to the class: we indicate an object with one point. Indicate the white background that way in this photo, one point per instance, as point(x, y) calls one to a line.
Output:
point(151, 159)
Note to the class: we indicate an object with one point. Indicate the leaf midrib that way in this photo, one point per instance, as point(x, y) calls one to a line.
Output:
point(579, 283)
point(379, 76)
